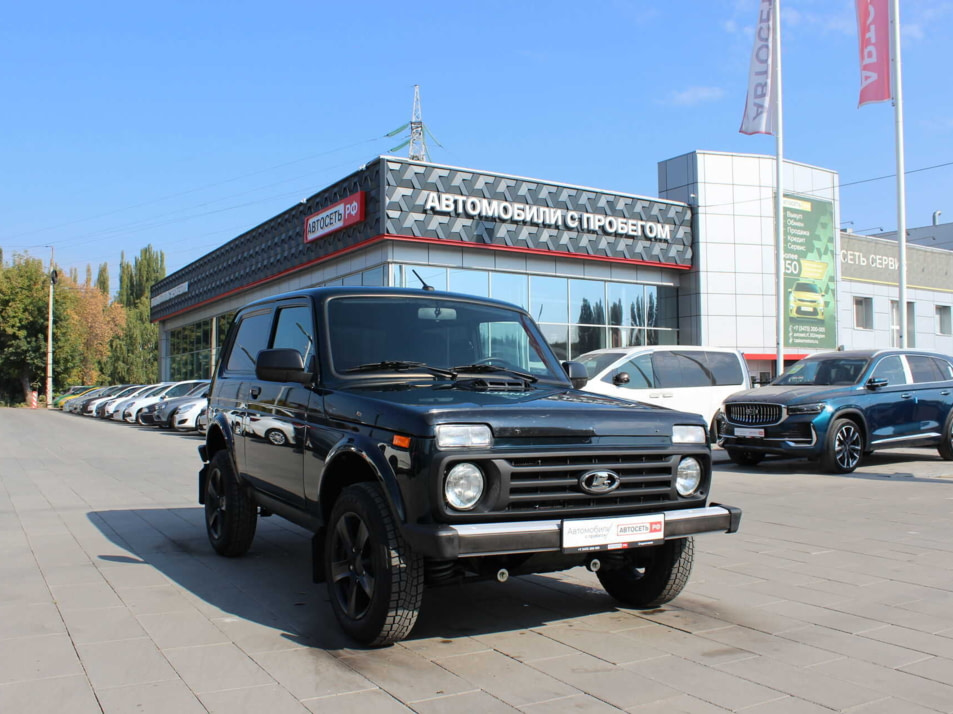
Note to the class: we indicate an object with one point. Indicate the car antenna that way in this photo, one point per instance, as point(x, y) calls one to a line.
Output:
point(425, 286)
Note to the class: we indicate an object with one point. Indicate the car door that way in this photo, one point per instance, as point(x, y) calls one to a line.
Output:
point(932, 383)
point(274, 422)
point(891, 409)
point(251, 333)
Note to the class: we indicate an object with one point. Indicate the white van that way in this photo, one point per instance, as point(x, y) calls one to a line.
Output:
point(689, 379)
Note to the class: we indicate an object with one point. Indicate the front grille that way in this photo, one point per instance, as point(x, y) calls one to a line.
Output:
point(753, 413)
point(541, 484)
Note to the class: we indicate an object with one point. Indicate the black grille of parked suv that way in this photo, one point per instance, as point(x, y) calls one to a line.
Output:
point(753, 413)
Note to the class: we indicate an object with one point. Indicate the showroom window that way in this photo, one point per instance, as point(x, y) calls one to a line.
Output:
point(895, 324)
point(190, 351)
point(864, 313)
point(944, 320)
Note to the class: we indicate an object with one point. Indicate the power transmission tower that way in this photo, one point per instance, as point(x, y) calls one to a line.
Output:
point(418, 130)
point(418, 147)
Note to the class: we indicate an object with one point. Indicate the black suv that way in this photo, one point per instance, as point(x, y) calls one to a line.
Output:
point(428, 438)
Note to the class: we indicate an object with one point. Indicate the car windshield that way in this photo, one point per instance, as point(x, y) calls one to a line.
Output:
point(824, 371)
point(806, 288)
point(383, 335)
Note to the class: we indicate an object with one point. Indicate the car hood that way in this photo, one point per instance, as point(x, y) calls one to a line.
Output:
point(533, 413)
point(788, 395)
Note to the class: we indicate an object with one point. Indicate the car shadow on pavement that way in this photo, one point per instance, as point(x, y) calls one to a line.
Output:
point(919, 465)
point(271, 587)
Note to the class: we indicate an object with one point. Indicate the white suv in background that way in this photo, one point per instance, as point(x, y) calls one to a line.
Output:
point(686, 378)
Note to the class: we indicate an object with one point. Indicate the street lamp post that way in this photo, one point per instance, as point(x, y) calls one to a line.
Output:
point(49, 338)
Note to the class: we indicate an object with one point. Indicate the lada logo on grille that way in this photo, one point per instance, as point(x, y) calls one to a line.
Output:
point(599, 482)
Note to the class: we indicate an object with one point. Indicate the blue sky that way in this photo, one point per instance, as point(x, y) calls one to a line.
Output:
point(183, 124)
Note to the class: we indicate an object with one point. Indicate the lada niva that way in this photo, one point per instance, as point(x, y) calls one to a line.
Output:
point(427, 438)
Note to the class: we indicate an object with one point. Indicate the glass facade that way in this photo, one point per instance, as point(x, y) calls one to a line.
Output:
point(575, 315)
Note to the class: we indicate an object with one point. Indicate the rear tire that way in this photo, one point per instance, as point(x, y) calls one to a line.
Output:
point(744, 457)
point(651, 576)
point(843, 447)
point(231, 516)
point(375, 581)
point(946, 446)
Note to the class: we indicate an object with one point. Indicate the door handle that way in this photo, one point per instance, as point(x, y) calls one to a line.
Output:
point(905, 396)
point(254, 392)
point(945, 393)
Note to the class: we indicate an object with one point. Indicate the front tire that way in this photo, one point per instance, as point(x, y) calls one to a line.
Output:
point(231, 516)
point(651, 576)
point(375, 581)
point(946, 446)
point(744, 457)
point(276, 437)
point(843, 447)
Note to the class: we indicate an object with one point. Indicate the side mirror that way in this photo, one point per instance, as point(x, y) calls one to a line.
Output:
point(876, 383)
point(577, 373)
point(281, 365)
point(620, 379)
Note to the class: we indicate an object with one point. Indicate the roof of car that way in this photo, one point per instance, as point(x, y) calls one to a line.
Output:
point(868, 354)
point(324, 293)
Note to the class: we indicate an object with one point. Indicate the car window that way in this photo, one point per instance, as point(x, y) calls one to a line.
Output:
point(681, 369)
point(725, 368)
point(640, 371)
point(294, 330)
point(923, 369)
point(598, 361)
point(944, 367)
point(250, 339)
point(891, 369)
point(824, 371)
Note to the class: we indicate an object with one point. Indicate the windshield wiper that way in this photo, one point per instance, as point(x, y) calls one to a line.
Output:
point(478, 368)
point(402, 366)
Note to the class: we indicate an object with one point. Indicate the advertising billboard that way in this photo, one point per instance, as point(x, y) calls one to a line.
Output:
point(809, 273)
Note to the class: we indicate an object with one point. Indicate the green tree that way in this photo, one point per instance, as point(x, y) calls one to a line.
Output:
point(24, 314)
point(102, 279)
point(134, 352)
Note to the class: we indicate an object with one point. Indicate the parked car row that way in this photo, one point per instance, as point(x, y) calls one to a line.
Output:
point(174, 405)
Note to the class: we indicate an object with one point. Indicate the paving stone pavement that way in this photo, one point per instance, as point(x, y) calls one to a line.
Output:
point(836, 595)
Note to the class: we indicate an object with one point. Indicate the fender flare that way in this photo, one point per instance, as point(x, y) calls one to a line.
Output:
point(375, 461)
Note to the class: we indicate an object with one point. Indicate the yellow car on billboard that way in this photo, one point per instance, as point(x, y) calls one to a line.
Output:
point(806, 300)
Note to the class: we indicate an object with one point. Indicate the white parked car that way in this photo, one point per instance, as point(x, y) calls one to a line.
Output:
point(682, 377)
point(121, 406)
point(109, 409)
point(92, 405)
point(171, 389)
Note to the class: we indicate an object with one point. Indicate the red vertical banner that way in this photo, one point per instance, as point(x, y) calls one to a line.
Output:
point(873, 32)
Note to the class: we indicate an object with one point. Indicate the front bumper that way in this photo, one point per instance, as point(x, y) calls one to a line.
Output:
point(448, 542)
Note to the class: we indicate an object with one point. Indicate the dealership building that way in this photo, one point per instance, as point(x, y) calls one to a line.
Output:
point(695, 265)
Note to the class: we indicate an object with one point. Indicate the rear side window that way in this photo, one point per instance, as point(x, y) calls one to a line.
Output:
point(725, 369)
point(924, 369)
point(251, 338)
point(945, 368)
point(681, 369)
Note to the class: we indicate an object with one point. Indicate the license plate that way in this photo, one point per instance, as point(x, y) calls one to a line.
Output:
point(749, 433)
point(612, 533)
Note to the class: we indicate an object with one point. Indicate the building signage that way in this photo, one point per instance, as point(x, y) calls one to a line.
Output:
point(162, 297)
point(877, 260)
point(547, 216)
point(334, 218)
point(809, 273)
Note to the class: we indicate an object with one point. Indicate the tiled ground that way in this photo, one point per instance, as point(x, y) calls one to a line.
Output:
point(837, 595)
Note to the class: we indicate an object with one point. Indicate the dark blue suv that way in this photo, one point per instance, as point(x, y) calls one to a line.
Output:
point(839, 406)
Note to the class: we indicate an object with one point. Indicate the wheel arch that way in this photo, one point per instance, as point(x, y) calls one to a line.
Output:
point(856, 416)
point(349, 463)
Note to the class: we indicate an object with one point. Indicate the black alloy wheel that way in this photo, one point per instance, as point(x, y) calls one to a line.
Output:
point(946, 443)
point(374, 579)
point(844, 447)
point(231, 516)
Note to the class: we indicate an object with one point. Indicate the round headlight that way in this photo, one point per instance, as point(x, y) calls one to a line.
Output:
point(688, 477)
point(464, 486)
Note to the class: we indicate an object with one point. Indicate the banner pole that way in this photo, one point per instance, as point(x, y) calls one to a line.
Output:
point(901, 179)
point(779, 196)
